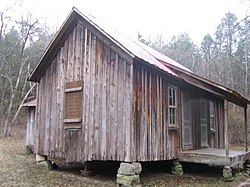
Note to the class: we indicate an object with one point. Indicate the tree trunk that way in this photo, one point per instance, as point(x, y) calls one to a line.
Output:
point(20, 106)
point(7, 123)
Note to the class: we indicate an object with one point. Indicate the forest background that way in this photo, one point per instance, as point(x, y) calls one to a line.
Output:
point(222, 56)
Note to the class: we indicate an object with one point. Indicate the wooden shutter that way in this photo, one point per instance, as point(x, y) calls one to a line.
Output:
point(187, 122)
point(73, 105)
point(204, 122)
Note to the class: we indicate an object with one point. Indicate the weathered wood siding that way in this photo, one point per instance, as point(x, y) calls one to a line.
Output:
point(30, 133)
point(107, 101)
point(153, 139)
point(124, 105)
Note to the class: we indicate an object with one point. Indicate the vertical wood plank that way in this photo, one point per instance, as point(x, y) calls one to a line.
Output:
point(47, 112)
point(73, 55)
point(108, 98)
point(157, 124)
point(37, 118)
point(150, 116)
point(86, 92)
point(245, 124)
point(81, 57)
point(103, 103)
point(165, 93)
point(129, 156)
point(115, 103)
point(135, 116)
point(60, 102)
point(91, 94)
point(226, 127)
point(98, 97)
point(52, 109)
point(160, 157)
point(142, 124)
point(120, 110)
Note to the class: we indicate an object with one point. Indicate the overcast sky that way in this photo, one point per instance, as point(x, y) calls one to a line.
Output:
point(169, 17)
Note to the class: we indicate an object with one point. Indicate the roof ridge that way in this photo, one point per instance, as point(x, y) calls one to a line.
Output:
point(116, 36)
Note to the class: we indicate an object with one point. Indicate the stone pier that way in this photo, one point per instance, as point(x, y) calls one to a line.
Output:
point(227, 174)
point(177, 169)
point(42, 161)
point(128, 174)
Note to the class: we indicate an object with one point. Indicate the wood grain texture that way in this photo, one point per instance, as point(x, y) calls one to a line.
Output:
point(105, 80)
point(153, 139)
point(124, 105)
point(30, 129)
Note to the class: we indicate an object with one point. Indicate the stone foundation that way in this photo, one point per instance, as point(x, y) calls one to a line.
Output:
point(40, 158)
point(227, 174)
point(45, 164)
point(86, 172)
point(42, 161)
point(128, 174)
point(246, 168)
point(177, 169)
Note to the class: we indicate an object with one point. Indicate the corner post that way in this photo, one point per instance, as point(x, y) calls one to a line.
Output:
point(245, 121)
point(226, 127)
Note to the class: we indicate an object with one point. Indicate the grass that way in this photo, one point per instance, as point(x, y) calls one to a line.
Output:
point(17, 168)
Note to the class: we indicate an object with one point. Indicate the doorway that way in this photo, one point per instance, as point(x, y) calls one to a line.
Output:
point(195, 120)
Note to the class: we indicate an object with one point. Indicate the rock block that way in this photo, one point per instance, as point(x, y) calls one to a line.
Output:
point(129, 169)
point(177, 169)
point(132, 180)
point(227, 174)
point(46, 164)
point(246, 168)
point(40, 158)
point(86, 173)
point(177, 173)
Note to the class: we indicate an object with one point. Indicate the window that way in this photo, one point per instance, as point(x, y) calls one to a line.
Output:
point(73, 106)
point(172, 106)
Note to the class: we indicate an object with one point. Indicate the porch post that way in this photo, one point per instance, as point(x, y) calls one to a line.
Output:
point(226, 126)
point(245, 121)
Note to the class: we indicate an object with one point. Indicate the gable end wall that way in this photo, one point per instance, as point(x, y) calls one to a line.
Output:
point(107, 101)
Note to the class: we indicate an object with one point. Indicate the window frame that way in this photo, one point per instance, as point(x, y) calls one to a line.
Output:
point(173, 106)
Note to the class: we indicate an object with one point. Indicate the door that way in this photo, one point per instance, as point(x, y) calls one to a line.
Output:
point(204, 122)
point(187, 141)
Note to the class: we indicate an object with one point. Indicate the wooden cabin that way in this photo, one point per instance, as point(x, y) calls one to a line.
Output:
point(103, 96)
point(30, 127)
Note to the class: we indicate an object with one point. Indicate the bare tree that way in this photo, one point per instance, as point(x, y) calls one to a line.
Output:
point(16, 61)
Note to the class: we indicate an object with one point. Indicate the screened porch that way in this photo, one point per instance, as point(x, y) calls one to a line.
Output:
point(205, 137)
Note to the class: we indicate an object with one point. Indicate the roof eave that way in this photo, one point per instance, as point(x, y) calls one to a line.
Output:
point(38, 70)
point(229, 94)
point(46, 58)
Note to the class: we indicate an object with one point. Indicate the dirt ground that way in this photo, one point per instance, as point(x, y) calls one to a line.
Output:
point(18, 168)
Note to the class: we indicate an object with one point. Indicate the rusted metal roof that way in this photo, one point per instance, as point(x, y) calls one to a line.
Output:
point(31, 103)
point(134, 49)
point(162, 58)
point(126, 42)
